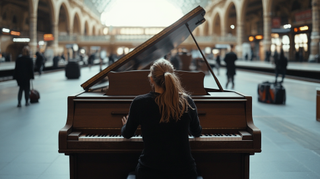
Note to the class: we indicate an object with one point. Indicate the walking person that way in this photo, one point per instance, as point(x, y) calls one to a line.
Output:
point(39, 63)
point(111, 58)
point(23, 72)
point(230, 59)
point(268, 54)
point(175, 61)
point(275, 56)
point(166, 117)
point(91, 59)
point(218, 63)
point(281, 66)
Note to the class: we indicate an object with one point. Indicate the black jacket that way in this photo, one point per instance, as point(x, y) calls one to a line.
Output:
point(23, 71)
point(230, 59)
point(166, 145)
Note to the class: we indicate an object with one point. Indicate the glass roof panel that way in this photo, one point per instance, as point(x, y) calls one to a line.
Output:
point(100, 6)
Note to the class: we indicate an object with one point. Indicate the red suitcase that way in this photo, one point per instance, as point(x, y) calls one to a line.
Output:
point(34, 95)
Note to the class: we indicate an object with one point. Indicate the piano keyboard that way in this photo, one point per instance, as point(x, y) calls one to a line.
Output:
point(119, 138)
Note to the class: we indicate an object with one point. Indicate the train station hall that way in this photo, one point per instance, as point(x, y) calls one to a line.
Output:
point(231, 89)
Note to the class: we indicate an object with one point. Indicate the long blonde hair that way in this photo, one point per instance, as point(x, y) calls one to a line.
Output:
point(173, 101)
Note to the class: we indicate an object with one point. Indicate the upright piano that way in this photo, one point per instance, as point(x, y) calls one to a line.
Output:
point(91, 137)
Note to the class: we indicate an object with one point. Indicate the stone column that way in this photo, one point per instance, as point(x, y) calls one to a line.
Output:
point(266, 32)
point(315, 37)
point(33, 33)
point(292, 51)
point(240, 37)
point(33, 10)
point(223, 33)
point(70, 30)
point(55, 33)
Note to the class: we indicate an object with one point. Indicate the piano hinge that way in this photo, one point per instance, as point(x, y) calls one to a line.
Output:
point(200, 21)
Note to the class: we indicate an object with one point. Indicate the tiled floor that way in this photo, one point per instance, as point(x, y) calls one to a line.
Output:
point(29, 135)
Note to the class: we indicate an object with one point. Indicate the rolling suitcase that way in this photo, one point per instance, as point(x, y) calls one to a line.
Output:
point(34, 95)
point(72, 70)
point(273, 93)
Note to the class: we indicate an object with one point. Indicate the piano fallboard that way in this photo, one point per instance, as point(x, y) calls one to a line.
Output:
point(215, 110)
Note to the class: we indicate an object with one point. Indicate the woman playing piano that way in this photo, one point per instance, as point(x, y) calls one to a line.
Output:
point(166, 116)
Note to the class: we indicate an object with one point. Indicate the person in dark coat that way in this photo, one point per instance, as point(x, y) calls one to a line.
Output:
point(111, 59)
point(175, 61)
point(91, 59)
point(281, 66)
point(56, 60)
point(275, 56)
point(23, 72)
point(268, 54)
point(230, 59)
point(218, 63)
point(39, 63)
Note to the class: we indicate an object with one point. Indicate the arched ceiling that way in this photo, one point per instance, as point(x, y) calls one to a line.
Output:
point(185, 5)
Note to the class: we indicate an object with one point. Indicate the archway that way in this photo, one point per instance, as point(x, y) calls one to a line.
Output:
point(14, 17)
point(44, 18)
point(231, 20)
point(93, 30)
point(86, 28)
point(63, 20)
point(253, 27)
point(76, 25)
point(15, 49)
point(206, 29)
point(217, 25)
point(298, 43)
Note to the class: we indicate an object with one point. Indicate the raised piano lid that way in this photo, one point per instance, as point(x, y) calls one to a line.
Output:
point(154, 48)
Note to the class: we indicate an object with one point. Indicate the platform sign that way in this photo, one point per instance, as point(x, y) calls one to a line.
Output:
point(48, 37)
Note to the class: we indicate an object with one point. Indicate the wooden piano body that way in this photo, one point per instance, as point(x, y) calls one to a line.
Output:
point(99, 111)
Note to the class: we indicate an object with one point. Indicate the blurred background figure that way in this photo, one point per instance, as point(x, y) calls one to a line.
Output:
point(230, 59)
point(23, 72)
point(268, 54)
point(39, 62)
point(275, 56)
point(111, 58)
point(175, 61)
point(56, 60)
point(218, 63)
point(91, 59)
point(281, 66)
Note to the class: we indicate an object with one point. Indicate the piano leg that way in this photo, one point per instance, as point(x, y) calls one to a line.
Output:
point(222, 165)
point(72, 166)
point(102, 165)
